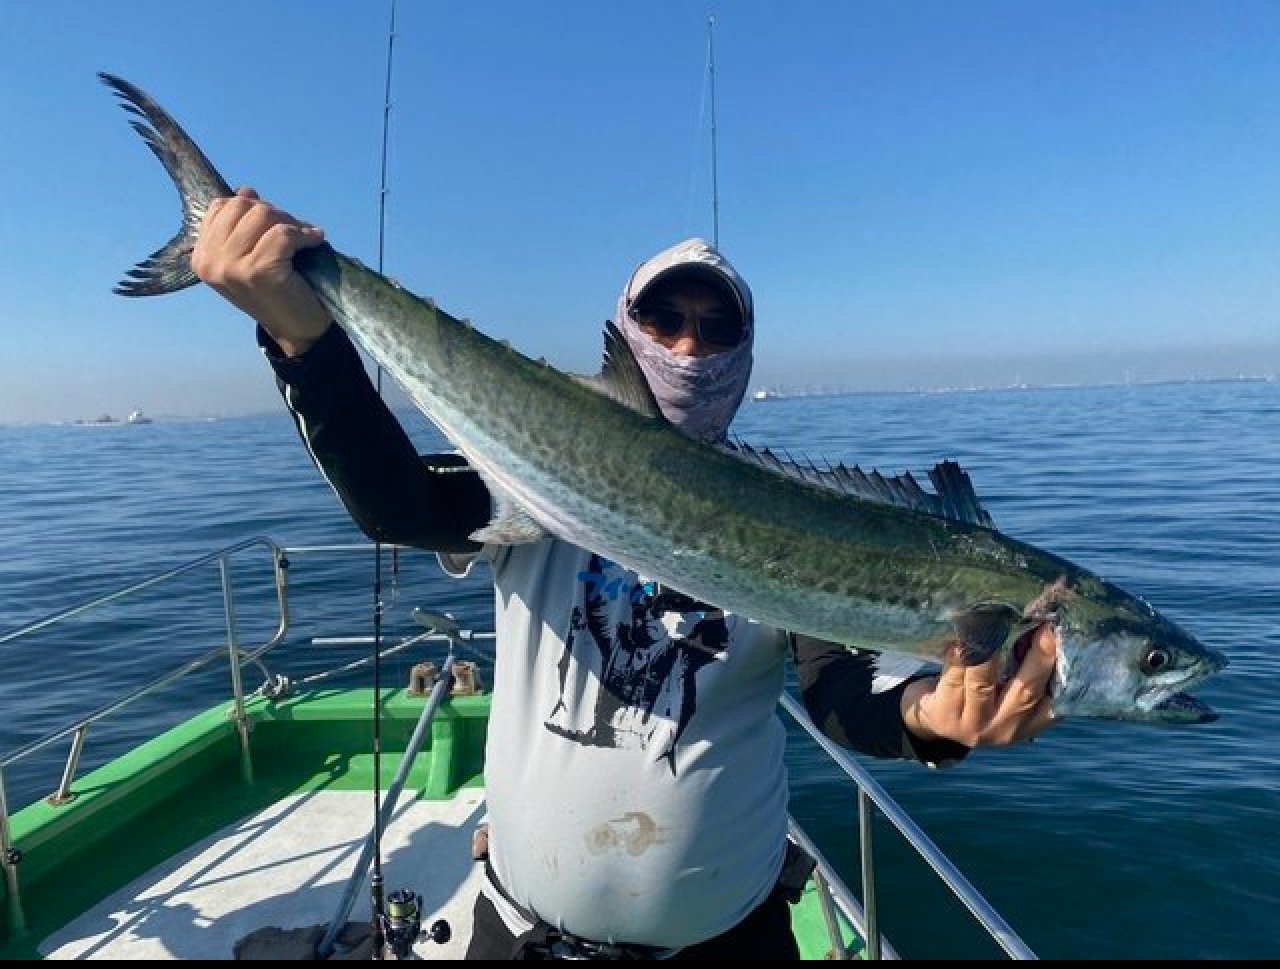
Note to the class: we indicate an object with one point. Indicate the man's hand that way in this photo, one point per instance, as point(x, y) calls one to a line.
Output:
point(245, 252)
point(969, 705)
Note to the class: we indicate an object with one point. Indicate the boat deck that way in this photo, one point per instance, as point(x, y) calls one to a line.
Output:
point(182, 850)
point(285, 866)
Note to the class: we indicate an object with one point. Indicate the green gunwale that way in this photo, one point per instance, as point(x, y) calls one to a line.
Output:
point(183, 785)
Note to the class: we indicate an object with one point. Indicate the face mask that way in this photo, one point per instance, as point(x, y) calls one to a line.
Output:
point(699, 395)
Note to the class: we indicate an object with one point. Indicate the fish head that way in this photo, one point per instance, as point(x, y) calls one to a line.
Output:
point(1131, 665)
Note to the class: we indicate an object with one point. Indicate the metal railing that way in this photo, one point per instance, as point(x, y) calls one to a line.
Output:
point(78, 731)
point(235, 654)
point(863, 918)
point(870, 792)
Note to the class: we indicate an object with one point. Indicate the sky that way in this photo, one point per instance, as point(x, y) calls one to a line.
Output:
point(922, 194)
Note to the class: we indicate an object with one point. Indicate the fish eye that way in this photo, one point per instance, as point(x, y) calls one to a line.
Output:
point(1157, 659)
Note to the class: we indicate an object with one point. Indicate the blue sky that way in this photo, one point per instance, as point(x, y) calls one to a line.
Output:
point(920, 193)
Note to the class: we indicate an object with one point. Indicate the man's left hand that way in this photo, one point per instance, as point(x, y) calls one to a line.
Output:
point(969, 704)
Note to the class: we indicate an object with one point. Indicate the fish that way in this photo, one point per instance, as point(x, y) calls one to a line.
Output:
point(870, 561)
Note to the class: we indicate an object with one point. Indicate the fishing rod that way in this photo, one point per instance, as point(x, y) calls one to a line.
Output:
point(378, 907)
point(707, 97)
point(396, 919)
point(715, 175)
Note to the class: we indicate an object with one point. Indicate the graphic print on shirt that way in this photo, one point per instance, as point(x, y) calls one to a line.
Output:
point(647, 677)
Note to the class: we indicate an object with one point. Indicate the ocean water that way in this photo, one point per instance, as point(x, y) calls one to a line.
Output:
point(1099, 840)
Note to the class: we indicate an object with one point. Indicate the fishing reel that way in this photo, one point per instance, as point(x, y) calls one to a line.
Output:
point(400, 926)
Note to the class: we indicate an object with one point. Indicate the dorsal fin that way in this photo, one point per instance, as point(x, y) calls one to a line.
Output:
point(953, 495)
point(621, 377)
point(960, 502)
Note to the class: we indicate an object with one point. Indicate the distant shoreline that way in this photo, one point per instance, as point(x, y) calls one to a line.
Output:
point(779, 395)
point(775, 396)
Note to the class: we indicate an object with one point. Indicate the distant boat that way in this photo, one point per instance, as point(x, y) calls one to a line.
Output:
point(766, 395)
point(137, 417)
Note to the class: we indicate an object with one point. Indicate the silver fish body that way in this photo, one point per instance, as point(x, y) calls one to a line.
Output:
point(592, 462)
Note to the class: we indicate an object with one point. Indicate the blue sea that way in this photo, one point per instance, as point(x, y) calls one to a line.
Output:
point(1099, 840)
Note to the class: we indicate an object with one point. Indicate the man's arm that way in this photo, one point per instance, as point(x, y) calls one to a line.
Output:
point(394, 495)
point(245, 252)
point(935, 719)
point(836, 687)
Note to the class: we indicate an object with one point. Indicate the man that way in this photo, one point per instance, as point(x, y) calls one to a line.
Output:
point(634, 776)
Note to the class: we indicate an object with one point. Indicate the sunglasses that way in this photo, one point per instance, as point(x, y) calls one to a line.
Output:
point(717, 328)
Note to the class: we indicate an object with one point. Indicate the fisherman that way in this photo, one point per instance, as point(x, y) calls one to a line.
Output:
point(635, 783)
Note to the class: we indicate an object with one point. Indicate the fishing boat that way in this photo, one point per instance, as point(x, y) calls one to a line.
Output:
point(266, 826)
point(251, 824)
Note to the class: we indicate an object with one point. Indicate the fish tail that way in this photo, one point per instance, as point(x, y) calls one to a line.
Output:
point(168, 269)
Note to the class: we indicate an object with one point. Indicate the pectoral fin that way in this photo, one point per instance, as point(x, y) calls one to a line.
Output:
point(510, 524)
point(984, 627)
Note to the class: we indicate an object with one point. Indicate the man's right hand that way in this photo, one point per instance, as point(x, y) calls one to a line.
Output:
point(245, 252)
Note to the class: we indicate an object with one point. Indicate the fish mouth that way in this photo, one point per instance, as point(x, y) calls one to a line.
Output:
point(1182, 708)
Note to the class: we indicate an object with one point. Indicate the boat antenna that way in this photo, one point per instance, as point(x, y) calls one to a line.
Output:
point(715, 179)
point(375, 880)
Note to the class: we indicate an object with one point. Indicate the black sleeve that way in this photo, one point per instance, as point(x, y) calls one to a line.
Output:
point(392, 493)
point(835, 684)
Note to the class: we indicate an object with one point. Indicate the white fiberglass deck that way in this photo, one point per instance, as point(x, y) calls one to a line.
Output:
point(286, 866)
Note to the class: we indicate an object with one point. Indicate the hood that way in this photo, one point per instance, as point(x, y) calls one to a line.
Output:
point(699, 395)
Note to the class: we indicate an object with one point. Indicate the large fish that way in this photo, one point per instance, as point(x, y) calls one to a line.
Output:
point(872, 562)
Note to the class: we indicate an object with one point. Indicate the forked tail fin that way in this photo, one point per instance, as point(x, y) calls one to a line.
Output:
point(168, 269)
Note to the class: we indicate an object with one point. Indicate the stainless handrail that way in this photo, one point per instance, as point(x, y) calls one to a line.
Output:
point(222, 556)
point(233, 652)
point(280, 562)
point(870, 905)
point(236, 657)
point(139, 586)
point(870, 790)
point(63, 794)
point(9, 859)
